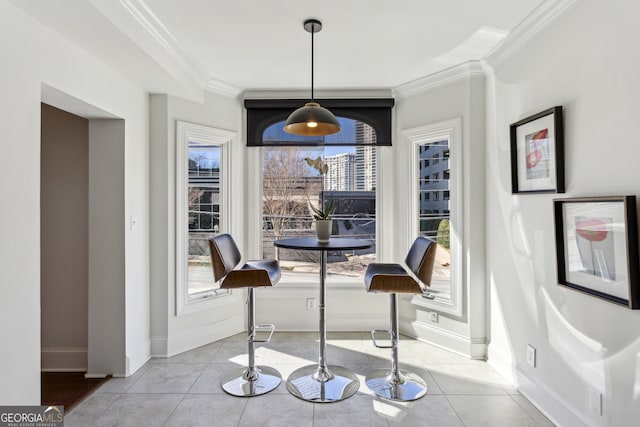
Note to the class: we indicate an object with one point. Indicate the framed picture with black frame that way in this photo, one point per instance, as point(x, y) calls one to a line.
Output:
point(597, 247)
point(537, 153)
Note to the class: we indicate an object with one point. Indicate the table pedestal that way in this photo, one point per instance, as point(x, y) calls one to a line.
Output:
point(321, 383)
point(317, 384)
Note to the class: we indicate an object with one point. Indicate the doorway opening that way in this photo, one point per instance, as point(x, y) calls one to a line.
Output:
point(81, 245)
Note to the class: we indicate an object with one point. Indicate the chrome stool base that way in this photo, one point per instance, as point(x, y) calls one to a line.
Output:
point(243, 383)
point(322, 385)
point(405, 387)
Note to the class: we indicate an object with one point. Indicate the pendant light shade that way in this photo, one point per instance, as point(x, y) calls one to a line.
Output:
point(312, 119)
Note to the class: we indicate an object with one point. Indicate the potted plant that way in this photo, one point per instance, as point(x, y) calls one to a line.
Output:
point(321, 215)
point(323, 220)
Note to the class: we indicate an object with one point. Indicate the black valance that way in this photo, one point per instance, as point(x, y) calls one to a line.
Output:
point(262, 113)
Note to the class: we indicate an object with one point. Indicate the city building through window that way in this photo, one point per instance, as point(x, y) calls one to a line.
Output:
point(436, 207)
point(202, 210)
point(290, 186)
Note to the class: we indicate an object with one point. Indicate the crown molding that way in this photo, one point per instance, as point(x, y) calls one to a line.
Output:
point(445, 77)
point(303, 94)
point(136, 20)
point(222, 88)
point(535, 22)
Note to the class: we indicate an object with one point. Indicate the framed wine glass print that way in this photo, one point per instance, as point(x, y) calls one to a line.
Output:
point(597, 247)
point(537, 153)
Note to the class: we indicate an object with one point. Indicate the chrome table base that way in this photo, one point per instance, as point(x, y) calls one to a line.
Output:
point(245, 382)
point(322, 385)
point(321, 382)
point(403, 387)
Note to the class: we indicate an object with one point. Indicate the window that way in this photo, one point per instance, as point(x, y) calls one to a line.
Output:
point(201, 209)
point(439, 215)
point(353, 181)
point(290, 186)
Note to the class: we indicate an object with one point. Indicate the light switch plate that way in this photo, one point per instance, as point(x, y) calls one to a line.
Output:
point(531, 356)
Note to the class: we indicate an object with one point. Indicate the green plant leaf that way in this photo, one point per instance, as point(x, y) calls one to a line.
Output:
point(325, 213)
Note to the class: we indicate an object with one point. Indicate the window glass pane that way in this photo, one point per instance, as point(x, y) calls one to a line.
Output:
point(204, 213)
point(291, 186)
point(435, 210)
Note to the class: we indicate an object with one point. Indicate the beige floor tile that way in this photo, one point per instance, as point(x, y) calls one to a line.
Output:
point(185, 390)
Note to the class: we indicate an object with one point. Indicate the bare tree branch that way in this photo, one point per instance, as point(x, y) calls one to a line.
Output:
point(287, 183)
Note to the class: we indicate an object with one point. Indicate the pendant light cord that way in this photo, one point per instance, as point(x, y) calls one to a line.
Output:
point(313, 30)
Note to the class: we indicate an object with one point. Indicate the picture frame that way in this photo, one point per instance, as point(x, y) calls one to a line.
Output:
point(537, 153)
point(597, 247)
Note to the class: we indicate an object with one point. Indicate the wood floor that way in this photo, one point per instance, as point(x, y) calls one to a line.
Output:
point(67, 388)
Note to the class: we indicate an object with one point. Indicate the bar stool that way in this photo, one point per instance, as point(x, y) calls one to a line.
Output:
point(396, 384)
point(252, 380)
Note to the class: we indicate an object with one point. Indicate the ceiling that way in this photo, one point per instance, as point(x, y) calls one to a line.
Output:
point(182, 47)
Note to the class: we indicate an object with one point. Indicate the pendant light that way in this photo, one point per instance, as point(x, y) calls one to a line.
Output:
point(312, 119)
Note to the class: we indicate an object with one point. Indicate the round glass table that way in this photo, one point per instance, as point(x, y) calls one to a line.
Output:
point(321, 382)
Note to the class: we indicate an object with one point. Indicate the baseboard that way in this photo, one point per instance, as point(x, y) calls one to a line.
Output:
point(55, 359)
point(468, 347)
point(138, 357)
point(502, 365)
point(95, 375)
point(553, 406)
point(196, 337)
point(159, 346)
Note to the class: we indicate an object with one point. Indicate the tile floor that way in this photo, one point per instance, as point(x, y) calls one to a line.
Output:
point(184, 390)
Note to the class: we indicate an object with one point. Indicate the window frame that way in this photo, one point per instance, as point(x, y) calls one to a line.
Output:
point(377, 112)
point(187, 133)
point(452, 131)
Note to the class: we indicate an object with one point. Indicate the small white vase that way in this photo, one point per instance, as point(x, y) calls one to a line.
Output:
point(323, 229)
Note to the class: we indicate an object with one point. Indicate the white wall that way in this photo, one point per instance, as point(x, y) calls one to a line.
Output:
point(33, 55)
point(587, 61)
point(171, 333)
point(106, 241)
point(461, 98)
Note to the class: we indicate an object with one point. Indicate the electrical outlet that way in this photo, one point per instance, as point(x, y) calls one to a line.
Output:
point(595, 401)
point(434, 317)
point(311, 303)
point(531, 356)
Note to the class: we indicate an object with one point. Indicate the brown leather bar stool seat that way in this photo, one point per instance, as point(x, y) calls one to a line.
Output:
point(396, 384)
point(225, 256)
